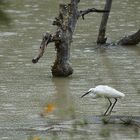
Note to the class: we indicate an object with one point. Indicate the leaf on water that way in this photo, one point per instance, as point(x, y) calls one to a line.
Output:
point(48, 109)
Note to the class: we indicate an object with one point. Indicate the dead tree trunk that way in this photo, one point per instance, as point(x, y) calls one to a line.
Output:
point(101, 36)
point(131, 39)
point(65, 22)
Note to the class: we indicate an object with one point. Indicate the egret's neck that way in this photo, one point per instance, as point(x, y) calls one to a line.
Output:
point(93, 94)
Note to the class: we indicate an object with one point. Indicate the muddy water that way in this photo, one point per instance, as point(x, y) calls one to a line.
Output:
point(33, 103)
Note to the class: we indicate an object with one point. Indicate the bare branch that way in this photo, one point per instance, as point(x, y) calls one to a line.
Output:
point(85, 12)
point(47, 38)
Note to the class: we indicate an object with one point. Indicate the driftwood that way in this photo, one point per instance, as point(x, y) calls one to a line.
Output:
point(133, 39)
point(101, 36)
point(65, 22)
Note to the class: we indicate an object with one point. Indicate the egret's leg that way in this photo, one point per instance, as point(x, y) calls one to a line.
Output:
point(112, 106)
point(110, 103)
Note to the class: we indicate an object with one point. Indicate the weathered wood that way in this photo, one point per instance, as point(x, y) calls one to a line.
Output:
point(133, 39)
point(102, 30)
point(46, 39)
point(65, 22)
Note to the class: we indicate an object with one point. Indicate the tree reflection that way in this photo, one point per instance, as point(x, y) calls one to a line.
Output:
point(63, 99)
point(4, 17)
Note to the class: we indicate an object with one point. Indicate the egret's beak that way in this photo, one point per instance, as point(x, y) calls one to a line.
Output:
point(85, 94)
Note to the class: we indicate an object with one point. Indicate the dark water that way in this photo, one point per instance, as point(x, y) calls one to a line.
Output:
point(26, 90)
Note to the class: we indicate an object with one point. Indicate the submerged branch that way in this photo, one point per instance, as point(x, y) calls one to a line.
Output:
point(133, 39)
point(129, 121)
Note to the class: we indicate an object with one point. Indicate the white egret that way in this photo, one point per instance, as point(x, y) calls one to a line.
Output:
point(106, 92)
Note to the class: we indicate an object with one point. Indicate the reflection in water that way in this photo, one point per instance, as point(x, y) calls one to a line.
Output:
point(63, 98)
point(108, 66)
point(105, 132)
point(49, 108)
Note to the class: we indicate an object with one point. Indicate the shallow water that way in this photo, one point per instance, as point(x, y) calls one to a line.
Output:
point(26, 89)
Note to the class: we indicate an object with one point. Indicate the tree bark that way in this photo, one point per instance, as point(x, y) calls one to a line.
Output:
point(65, 22)
point(101, 36)
point(131, 39)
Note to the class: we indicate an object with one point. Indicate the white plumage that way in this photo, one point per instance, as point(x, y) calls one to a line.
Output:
point(106, 92)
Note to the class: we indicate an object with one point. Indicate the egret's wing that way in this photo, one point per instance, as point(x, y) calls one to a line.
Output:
point(106, 91)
